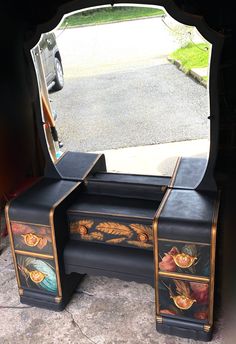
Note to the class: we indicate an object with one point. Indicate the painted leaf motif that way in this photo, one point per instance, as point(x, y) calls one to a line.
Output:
point(49, 283)
point(75, 226)
point(92, 236)
point(114, 228)
point(139, 244)
point(182, 288)
point(42, 243)
point(116, 240)
point(140, 229)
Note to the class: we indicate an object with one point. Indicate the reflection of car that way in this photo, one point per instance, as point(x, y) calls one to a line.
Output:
point(51, 59)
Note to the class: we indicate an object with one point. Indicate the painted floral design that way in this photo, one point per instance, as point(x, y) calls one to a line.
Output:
point(200, 292)
point(184, 299)
point(184, 258)
point(37, 273)
point(32, 237)
point(167, 262)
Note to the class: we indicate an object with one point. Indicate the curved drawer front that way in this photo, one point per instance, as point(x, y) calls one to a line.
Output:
point(37, 273)
point(184, 257)
point(32, 237)
point(112, 231)
point(181, 298)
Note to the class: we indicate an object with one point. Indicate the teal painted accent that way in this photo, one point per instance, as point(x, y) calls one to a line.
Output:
point(49, 283)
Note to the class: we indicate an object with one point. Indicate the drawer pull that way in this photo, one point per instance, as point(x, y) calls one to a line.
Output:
point(183, 260)
point(183, 302)
point(83, 230)
point(143, 237)
point(37, 276)
point(31, 239)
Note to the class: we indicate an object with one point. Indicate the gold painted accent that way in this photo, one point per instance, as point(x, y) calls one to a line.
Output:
point(83, 230)
point(116, 240)
point(114, 228)
point(183, 260)
point(164, 188)
point(31, 239)
point(37, 276)
point(207, 328)
point(183, 302)
point(184, 242)
point(159, 319)
point(21, 291)
point(12, 243)
point(172, 181)
point(54, 246)
point(143, 237)
point(212, 262)
point(92, 236)
point(186, 277)
point(143, 229)
point(30, 223)
point(33, 254)
point(155, 249)
point(58, 299)
point(75, 226)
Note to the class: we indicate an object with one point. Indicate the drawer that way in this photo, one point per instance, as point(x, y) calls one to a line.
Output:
point(184, 257)
point(37, 273)
point(32, 237)
point(179, 298)
point(112, 231)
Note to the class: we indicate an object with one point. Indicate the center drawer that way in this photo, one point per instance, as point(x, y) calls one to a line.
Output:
point(113, 221)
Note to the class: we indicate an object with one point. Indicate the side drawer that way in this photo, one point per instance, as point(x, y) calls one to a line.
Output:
point(37, 273)
point(184, 257)
point(32, 237)
point(180, 298)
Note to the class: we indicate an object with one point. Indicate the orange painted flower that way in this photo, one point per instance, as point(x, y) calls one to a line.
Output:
point(168, 263)
point(201, 315)
point(200, 292)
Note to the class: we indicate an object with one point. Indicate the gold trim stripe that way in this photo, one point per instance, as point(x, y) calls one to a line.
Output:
point(155, 248)
point(30, 223)
point(186, 277)
point(33, 254)
point(184, 242)
point(172, 181)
